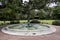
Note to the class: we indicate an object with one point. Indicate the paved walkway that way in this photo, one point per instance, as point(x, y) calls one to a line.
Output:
point(53, 36)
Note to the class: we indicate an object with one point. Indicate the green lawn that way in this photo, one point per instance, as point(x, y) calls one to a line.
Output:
point(24, 21)
point(47, 21)
point(42, 21)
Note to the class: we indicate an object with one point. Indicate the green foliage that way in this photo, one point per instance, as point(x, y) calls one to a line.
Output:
point(15, 10)
point(57, 22)
point(11, 11)
point(56, 12)
point(39, 4)
point(42, 14)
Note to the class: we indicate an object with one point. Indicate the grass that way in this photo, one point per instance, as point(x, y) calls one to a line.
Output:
point(42, 21)
point(2, 22)
point(47, 21)
point(24, 21)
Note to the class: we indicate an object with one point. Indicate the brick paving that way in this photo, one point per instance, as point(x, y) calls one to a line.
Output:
point(53, 36)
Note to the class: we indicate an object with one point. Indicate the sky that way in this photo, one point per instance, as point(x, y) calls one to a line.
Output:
point(0, 3)
point(25, 0)
point(50, 5)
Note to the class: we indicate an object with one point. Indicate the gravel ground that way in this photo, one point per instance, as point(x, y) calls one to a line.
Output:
point(53, 36)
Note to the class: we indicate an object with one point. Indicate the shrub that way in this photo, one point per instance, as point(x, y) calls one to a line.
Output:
point(35, 21)
point(57, 22)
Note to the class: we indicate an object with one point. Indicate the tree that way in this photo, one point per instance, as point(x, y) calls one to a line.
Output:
point(13, 9)
point(42, 14)
point(56, 12)
point(10, 12)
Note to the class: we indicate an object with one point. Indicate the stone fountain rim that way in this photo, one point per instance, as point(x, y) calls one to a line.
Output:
point(7, 32)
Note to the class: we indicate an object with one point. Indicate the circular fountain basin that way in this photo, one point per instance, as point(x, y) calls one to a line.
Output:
point(22, 30)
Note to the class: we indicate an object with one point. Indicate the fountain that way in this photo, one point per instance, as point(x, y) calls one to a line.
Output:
point(28, 29)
